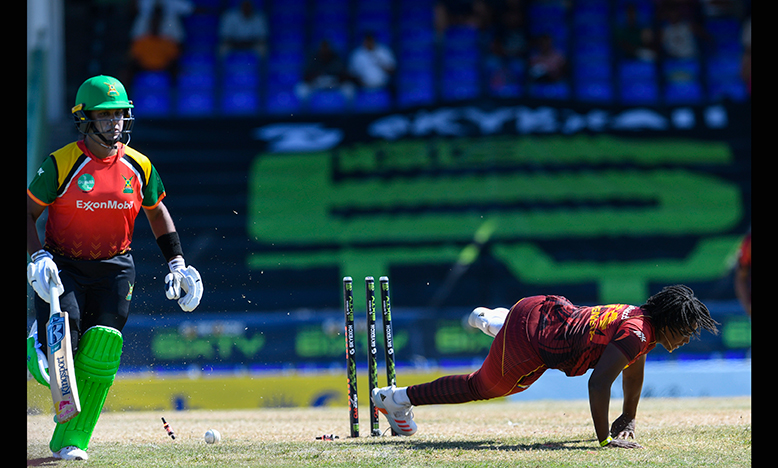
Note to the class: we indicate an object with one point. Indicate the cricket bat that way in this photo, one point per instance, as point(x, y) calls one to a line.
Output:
point(62, 378)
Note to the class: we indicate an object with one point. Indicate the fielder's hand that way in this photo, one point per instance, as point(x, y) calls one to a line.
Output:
point(186, 280)
point(41, 271)
point(623, 427)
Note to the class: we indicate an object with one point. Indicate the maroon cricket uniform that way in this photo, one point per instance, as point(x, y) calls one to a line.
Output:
point(544, 332)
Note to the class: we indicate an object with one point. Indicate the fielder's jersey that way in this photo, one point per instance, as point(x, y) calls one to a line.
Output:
point(93, 202)
point(572, 338)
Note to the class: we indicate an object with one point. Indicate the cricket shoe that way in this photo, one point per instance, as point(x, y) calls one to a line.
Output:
point(400, 417)
point(489, 321)
point(71, 452)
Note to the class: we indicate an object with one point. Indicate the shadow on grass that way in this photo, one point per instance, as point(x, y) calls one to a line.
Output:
point(494, 445)
point(48, 461)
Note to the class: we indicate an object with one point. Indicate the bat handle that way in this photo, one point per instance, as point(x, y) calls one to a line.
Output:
point(54, 298)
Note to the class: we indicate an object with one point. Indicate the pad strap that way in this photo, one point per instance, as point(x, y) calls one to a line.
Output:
point(96, 363)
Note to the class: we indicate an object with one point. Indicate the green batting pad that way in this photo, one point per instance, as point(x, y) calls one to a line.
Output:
point(96, 363)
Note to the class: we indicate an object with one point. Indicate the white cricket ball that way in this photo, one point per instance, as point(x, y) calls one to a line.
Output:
point(212, 436)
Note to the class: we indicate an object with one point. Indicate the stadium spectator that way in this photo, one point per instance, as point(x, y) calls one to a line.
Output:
point(547, 64)
point(153, 50)
point(549, 332)
point(504, 72)
point(372, 64)
point(680, 34)
point(243, 28)
point(171, 24)
point(324, 69)
point(634, 40)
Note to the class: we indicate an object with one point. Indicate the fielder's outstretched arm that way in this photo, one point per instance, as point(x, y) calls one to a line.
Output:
point(610, 365)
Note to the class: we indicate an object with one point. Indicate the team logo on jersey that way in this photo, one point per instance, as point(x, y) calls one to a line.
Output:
point(127, 184)
point(86, 183)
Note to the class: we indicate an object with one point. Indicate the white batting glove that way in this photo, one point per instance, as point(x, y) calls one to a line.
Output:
point(41, 272)
point(186, 280)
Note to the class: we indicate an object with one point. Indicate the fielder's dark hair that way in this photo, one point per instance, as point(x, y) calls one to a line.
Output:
point(676, 307)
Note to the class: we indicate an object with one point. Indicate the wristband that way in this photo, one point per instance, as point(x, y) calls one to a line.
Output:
point(40, 254)
point(606, 441)
point(177, 263)
point(170, 245)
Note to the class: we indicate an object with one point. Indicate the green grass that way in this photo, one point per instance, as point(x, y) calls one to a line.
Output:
point(675, 433)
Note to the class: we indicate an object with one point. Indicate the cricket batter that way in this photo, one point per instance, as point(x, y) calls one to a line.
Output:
point(94, 189)
point(549, 332)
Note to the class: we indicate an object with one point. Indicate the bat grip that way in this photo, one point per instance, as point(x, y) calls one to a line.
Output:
point(54, 298)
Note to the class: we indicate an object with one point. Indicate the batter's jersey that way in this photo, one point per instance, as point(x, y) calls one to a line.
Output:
point(93, 202)
point(572, 338)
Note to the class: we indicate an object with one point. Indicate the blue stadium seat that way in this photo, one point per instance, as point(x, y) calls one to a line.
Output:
point(150, 93)
point(241, 70)
point(600, 91)
point(415, 87)
point(725, 34)
point(241, 59)
point(198, 60)
point(723, 77)
point(281, 101)
point(592, 69)
point(151, 102)
point(196, 80)
point(152, 80)
point(202, 31)
point(241, 79)
point(683, 92)
point(241, 101)
point(197, 103)
point(558, 90)
point(327, 102)
point(588, 49)
point(637, 70)
point(639, 92)
point(731, 90)
point(372, 100)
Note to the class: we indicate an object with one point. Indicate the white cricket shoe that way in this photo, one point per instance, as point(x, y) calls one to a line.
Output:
point(71, 452)
point(400, 417)
point(489, 321)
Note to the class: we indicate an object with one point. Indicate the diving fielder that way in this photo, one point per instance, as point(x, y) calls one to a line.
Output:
point(549, 332)
point(94, 189)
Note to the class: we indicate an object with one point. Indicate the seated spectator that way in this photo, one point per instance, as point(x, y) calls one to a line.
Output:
point(504, 73)
point(635, 41)
point(372, 64)
point(243, 28)
point(324, 69)
point(547, 64)
point(679, 35)
point(152, 50)
point(170, 25)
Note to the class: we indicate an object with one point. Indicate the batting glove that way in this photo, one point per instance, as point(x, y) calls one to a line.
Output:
point(42, 271)
point(186, 280)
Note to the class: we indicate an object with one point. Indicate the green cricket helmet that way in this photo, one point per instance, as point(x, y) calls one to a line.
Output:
point(102, 93)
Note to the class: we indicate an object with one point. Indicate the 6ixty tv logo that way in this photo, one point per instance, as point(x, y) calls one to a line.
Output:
point(88, 205)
